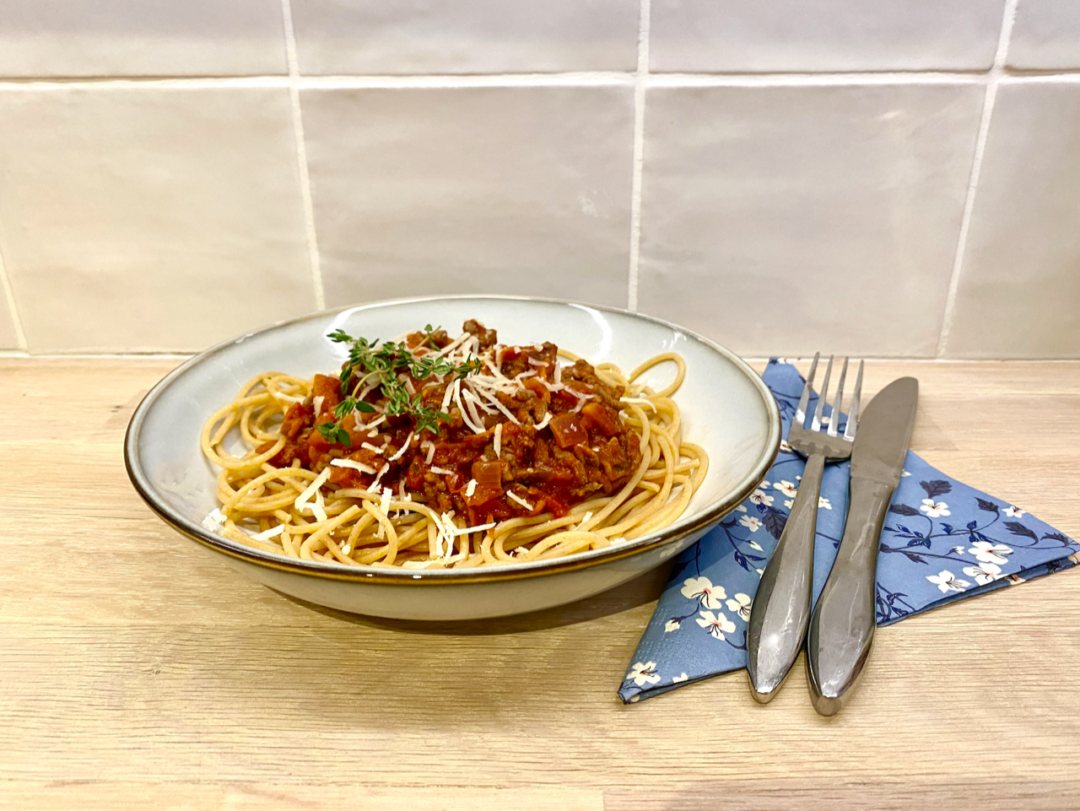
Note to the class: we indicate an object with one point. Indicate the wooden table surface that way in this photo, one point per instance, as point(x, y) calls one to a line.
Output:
point(138, 671)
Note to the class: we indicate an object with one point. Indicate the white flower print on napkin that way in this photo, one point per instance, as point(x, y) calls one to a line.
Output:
point(983, 573)
point(751, 523)
point(740, 604)
point(946, 581)
point(643, 674)
point(717, 624)
point(1013, 512)
point(934, 508)
point(760, 497)
point(786, 487)
point(987, 552)
point(702, 589)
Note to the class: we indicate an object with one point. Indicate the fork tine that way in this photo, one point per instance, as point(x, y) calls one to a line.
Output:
point(823, 392)
point(834, 419)
point(853, 412)
point(804, 398)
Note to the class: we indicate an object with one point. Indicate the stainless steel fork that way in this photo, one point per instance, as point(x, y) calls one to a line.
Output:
point(781, 609)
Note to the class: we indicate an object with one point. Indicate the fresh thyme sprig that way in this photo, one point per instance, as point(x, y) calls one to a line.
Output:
point(381, 362)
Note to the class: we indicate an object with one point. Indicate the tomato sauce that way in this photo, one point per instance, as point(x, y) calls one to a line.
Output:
point(569, 442)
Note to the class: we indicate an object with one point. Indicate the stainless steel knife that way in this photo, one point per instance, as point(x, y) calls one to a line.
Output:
point(842, 624)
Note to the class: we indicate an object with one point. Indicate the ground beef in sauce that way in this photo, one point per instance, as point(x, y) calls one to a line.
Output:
point(584, 448)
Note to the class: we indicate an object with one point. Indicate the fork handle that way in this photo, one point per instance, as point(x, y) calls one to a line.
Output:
point(842, 627)
point(781, 608)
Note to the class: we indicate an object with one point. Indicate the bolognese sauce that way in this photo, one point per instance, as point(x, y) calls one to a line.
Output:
point(525, 436)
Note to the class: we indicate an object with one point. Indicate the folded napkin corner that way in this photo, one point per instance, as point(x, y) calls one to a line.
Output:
point(943, 541)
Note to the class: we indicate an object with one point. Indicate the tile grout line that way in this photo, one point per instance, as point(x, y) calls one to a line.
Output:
point(9, 294)
point(314, 261)
point(569, 79)
point(997, 71)
point(640, 78)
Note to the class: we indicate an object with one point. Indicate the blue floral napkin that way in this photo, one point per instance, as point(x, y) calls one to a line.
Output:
point(942, 541)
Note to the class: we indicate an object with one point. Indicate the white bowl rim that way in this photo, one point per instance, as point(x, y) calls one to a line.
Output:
point(370, 574)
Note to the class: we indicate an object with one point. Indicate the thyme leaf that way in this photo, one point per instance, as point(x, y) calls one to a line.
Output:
point(383, 362)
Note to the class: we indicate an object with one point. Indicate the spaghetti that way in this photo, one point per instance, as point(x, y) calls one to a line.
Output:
point(439, 453)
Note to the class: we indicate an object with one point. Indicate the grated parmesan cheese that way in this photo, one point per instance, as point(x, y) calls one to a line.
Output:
point(354, 465)
point(286, 397)
point(405, 447)
point(520, 501)
point(470, 488)
point(465, 416)
point(382, 472)
point(540, 426)
point(319, 506)
point(446, 533)
point(584, 520)
point(273, 532)
point(498, 439)
point(303, 501)
point(372, 448)
point(346, 549)
point(214, 521)
point(440, 470)
point(318, 403)
point(430, 452)
point(384, 501)
point(447, 396)
point(477, 528)
point(375, 422)
point(495, 402)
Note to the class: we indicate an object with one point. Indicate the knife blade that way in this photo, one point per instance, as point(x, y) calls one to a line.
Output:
point(843, 622)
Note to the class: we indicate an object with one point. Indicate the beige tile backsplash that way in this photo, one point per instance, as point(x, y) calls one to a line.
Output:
point(803, 215)
point(472, 190)
point(1046, 35)
point(9, 338)
point(479, 36)
point(1019, 296)
point(65, 38)
point(884, 179)
point(781, 36)
point(144, 219)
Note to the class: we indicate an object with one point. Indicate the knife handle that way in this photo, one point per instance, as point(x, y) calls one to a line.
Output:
point(843, 622)
point(782, 604)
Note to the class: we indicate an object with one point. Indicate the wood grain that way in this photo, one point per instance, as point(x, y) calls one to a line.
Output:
point(139, 671)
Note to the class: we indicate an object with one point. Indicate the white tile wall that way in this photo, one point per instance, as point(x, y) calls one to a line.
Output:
point(149, 219)
point(480, 36)
point(904, 172)
point(1046, 35)
point(8, 337)
point(1019, 292)
point(473, 189)
point(806, 218)
point(51, 38)
point(786, 36)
